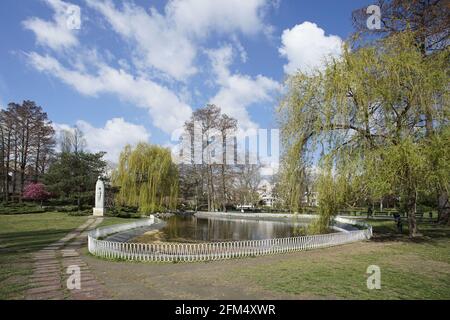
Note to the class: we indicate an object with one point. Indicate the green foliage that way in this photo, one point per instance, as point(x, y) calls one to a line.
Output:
point(73, 176)
point(21, 208)
point(329, 199)
point(396, 169)
point(366, 116)
point(436, 150)
point(147, 179)
point(123, 212)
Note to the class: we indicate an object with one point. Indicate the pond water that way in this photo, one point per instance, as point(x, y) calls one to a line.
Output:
point(193, 229)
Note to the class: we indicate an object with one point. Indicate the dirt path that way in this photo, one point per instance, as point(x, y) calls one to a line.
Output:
point(49, 278)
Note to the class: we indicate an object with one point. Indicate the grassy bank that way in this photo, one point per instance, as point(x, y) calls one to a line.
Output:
point(418, 269)
point(23, 234)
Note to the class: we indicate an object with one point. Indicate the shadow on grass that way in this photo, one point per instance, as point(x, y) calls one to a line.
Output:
point(386, 231)
point(23, 242)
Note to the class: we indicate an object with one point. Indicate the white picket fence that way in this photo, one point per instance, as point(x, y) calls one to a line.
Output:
point(184, 252)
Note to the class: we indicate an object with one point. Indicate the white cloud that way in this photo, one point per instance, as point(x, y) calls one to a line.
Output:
point(54, 34)
point(238, 92)
point(111, 138)
point(166, 109)
point(59, 128)
point(221, 60)
point(166, 44)
point(306, 46)
point(199, 17)
point(158, 44)
point(242, 52)
point(168, 41)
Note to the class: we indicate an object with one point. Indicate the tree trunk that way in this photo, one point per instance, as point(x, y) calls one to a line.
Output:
point(224, 192)
point(36, 166)
point(410, 210)
point(14, 174)
point(443, 209)
point(4, 172)
point(224, 163)
point(8, 156)
point(213, 206)
point(208, 191)
point(22, 181)
point(196, 196)
point(24, 160)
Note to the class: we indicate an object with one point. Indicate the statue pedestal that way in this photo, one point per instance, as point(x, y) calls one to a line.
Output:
point(99, 212)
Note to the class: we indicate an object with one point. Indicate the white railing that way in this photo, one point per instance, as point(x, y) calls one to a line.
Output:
point(184, 252)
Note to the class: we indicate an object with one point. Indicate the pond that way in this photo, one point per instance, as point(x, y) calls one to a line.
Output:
point(195, 229)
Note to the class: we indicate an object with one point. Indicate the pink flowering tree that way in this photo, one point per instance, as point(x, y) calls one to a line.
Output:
point(36, 192)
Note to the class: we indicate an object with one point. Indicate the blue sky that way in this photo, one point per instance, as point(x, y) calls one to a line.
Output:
point(135, 70)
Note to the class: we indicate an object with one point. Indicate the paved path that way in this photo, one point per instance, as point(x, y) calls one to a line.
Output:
point(49, 279)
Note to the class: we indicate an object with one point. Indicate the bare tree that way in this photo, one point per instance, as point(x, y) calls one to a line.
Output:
point(26, 145)
point(428, 19)
point(246, 184)
point(206, 172)
point(208, 119)
point(72, 140)
point(226, 125)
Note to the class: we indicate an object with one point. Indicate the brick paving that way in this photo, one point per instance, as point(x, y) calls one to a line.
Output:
point(50, 271)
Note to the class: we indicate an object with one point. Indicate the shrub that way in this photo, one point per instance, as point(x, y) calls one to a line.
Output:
point(36, 192)
point(18, 208)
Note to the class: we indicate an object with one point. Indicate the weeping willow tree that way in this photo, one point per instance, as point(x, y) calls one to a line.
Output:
point(362, 121)
point(147, 178)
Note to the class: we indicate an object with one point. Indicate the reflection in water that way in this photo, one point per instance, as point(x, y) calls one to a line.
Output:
point(193, 229)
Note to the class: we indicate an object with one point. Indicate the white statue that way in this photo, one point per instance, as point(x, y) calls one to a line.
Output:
point(99, 209)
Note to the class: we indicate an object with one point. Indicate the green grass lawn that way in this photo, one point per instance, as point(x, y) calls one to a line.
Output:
point(22, 234)
point(418, 269)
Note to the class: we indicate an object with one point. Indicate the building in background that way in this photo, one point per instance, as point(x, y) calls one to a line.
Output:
point(265, 191)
